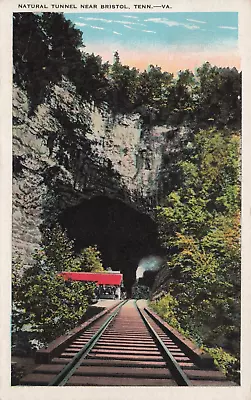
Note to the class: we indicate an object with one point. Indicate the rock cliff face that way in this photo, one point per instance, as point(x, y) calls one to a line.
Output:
point(87, 166)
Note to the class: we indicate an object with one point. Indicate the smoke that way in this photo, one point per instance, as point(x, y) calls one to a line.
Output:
point(150, 263)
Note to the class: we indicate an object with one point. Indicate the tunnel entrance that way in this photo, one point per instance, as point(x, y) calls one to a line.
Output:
point(123, 235)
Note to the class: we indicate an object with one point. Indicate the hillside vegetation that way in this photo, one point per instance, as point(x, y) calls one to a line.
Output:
point(199, 226)
point(48, 46)
point(43, 300)
point(198, 214)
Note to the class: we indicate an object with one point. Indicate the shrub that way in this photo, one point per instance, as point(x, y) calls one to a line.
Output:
point(41, 298)
point(165, 308)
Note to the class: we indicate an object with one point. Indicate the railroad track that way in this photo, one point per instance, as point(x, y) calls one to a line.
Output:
point(126, 346)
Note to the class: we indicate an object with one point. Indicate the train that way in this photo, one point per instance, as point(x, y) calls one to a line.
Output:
point(109, 284)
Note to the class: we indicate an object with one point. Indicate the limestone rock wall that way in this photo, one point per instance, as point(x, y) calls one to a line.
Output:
point(122, 161)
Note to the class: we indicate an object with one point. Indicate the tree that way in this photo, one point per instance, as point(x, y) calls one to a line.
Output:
point(89, 260)
point(199, 225)
point(41, 298)
point(45, 47)
point(30, 56)
point(154, 88)
point(123, 86)
point(91, 79)
point(218, 92)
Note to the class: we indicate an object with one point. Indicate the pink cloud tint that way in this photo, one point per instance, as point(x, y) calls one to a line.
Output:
point(170, 60)
point(175, 61)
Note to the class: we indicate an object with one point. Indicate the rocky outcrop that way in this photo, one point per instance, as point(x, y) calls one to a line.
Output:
point(110, 158)
point(67, 153)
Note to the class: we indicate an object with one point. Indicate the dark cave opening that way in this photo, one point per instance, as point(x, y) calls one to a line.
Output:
point(122, 234)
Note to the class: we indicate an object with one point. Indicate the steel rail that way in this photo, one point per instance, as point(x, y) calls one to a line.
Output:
point(62, 378)
point(178, 374)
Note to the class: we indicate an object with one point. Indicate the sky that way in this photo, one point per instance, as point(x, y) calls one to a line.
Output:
point(173, 41)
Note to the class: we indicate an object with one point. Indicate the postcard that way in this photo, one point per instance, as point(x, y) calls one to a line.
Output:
point(125, 199)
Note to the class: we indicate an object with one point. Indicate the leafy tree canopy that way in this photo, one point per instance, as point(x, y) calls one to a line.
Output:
point(47, 47)
point(44, 300)
point(199, 225)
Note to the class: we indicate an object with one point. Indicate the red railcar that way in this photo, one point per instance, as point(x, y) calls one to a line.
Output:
point(108, 283)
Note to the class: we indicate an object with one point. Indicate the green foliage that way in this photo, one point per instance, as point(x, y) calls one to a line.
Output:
point(89, 260)
point(165, 308)
point(140, 291)
point(222, 359)
point(219, 92)
point(91, 79)
point(208, 185)
point(46, 47)
point(56, 252)
point(210, 97)
point(168, 309)
point(229, 364)
point(199, 225)
point(41, 298)
point(121, 94)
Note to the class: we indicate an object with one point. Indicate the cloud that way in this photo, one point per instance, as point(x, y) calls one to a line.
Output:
point(108, 21)
point(148, 31)
point(126, 24)
point(196, 20)
point(170, 23)
point(129, 23)
point(80, 24)
point(129, 16)
point(129, 27)
point(97, 27)
point(228, 27)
